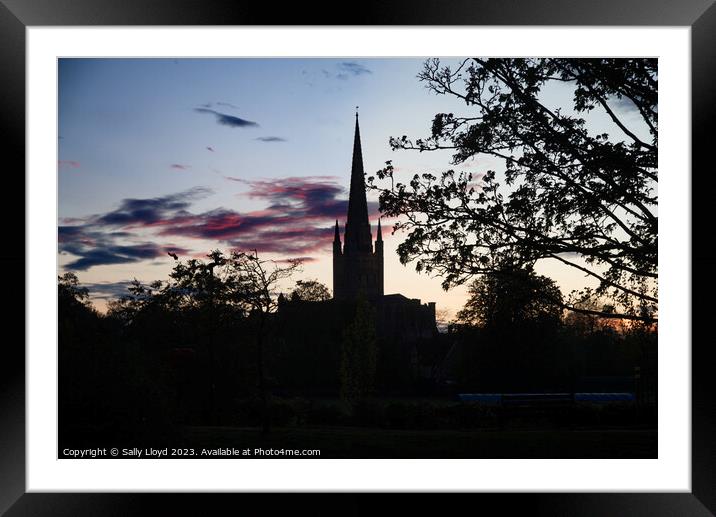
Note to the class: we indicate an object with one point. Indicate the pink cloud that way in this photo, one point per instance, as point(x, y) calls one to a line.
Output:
point(297, 219)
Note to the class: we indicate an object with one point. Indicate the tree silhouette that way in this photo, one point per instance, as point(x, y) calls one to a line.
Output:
point(255, 283)
point(199, 291)
point(585, 200)
point(359, 354)
point(511, 299)
point(69, 292)
point(588, 321)
point(310, 291)
point(511, 326)
point(213, 294)
point(128, 307)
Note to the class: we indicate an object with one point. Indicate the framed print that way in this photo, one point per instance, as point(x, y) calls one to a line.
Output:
point(431, 256)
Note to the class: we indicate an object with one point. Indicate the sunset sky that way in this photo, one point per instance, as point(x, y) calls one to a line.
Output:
point(189, 155)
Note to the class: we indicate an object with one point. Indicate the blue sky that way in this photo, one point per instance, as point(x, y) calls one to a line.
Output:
point(128, 121)
point(176, 154)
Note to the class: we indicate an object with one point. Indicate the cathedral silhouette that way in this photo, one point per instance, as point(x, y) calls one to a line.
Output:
point(312, 331)
point(357, 266)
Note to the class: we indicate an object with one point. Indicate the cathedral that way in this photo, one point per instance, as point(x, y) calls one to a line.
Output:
point(313, 330)
point(357, 264)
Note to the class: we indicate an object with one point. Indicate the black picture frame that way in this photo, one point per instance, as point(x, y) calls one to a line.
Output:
point(700, 15)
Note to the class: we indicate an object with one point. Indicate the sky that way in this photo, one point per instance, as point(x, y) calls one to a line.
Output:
point(190, 155)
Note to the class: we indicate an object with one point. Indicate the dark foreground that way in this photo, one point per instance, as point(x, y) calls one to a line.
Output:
point(356, 442)
point(383, 443)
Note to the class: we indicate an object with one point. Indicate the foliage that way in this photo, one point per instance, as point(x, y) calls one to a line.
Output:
point(359, 354)
point(224, 286)
point(126, 308)
point(583, 199)
point(588, 320)
point(206, 301)
point(186, 351)
point(509, 333)
point(511, 298)
point(69, 292)
point(310, 291)
point(255, 283)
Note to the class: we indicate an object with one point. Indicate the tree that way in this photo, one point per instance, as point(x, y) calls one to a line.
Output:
point(212, 295)
point(80, 345)
point(310, 291)
point(192, 307)
point(254, 283)
point(74, 310)
point(512, 299)
point(586, 322)
point(69, 292)
point(511, 333)
point(359, 354)
point(128, 307)
point(583, 199)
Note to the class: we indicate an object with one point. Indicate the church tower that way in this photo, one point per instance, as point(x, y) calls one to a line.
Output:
point(357, 265)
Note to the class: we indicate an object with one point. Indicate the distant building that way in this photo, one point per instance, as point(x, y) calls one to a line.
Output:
point(403, 325)
point(357, 266)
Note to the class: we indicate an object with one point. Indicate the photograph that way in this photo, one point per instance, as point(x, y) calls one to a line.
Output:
point(313, 260)
point(358, 257)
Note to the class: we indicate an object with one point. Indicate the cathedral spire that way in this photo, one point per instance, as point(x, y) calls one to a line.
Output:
point(357, 265)
point(358, 235)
